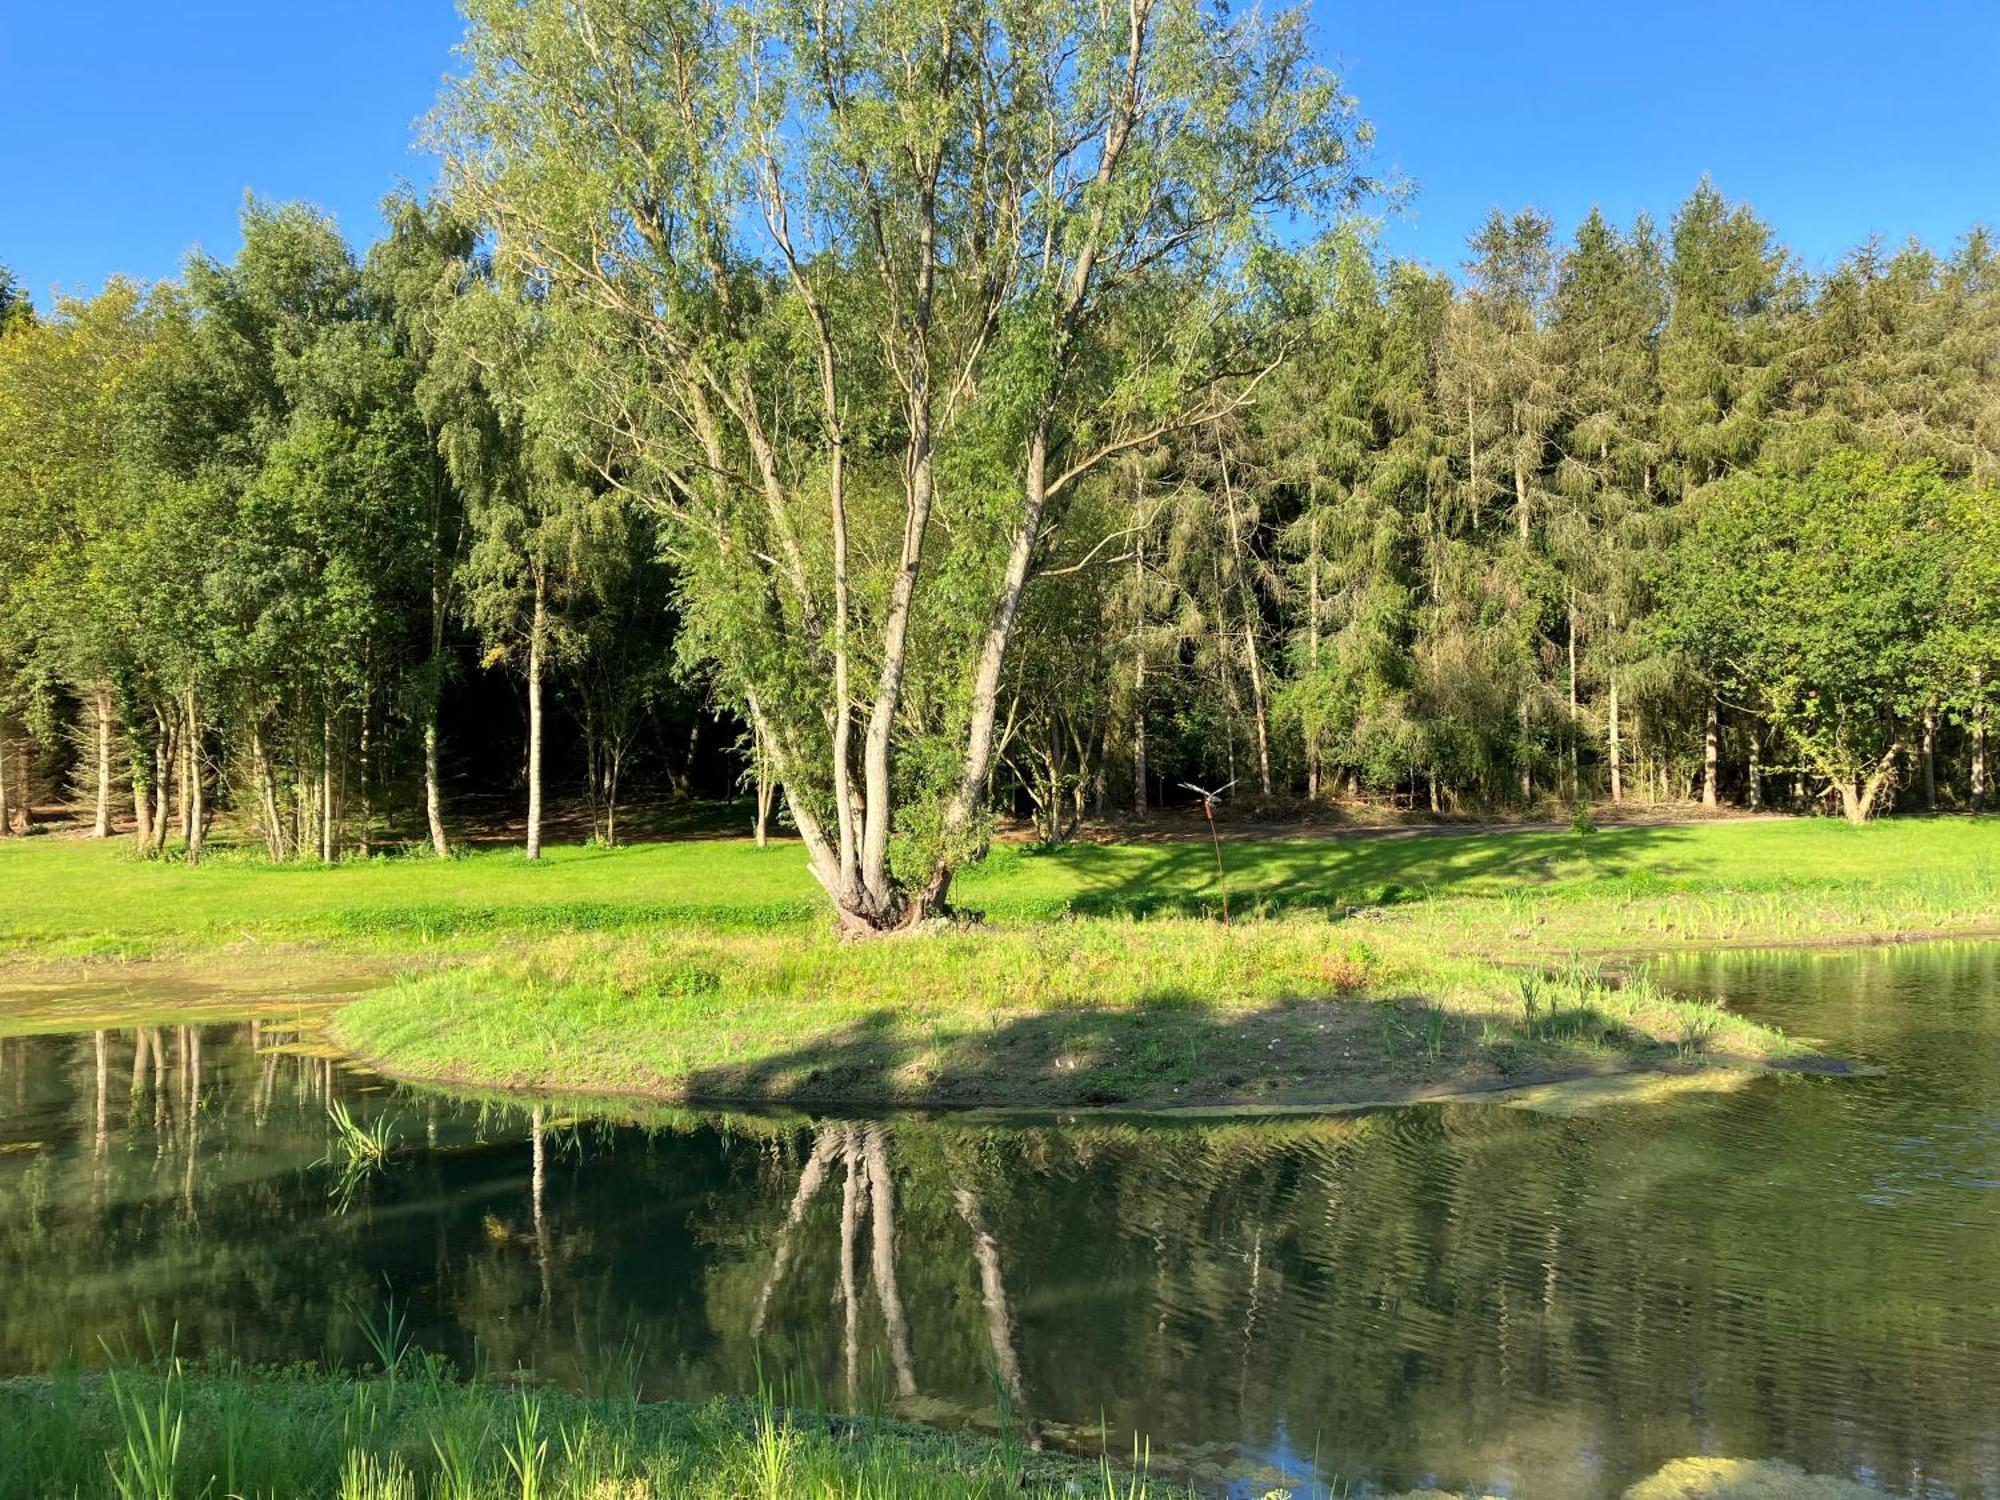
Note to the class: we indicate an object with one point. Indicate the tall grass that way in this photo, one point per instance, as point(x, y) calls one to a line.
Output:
point(164, 1429)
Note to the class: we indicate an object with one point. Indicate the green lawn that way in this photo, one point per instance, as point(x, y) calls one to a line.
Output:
point(75, 896)
point(1356, 968)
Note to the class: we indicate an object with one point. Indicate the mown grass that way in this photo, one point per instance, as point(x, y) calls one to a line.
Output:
point(411, 1428)
point(1356, 968)
point(1795, 879)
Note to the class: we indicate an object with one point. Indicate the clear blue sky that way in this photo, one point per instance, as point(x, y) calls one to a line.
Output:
point(131, 130)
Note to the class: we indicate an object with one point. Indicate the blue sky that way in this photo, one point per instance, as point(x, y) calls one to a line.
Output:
point(132, 130)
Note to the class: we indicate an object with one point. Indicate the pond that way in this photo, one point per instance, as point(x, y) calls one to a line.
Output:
point(1465, 1294)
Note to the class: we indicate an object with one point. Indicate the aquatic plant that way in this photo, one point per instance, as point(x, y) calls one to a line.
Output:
point(147, 1465)
point(526, 1450)
point(363, 1476)
point(357, 1150)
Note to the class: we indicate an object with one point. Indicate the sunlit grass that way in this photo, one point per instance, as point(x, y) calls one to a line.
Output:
point(79, 899)
point(1355, 967)
point(1170, 1011)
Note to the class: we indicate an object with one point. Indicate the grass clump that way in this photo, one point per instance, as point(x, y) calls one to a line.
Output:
point(170, 1431)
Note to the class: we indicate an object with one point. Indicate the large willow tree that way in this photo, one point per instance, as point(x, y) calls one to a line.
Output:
point(864, 293)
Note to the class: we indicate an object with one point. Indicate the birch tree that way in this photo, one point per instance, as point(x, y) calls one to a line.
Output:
point(859, 275)
point(62, 382)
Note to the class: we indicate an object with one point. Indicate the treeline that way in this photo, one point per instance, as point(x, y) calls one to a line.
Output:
point(973, 430)
point(257, 519)
point(1645, 514)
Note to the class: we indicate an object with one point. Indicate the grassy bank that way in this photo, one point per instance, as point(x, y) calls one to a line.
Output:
point(165, 1431)
point(1169, 1012)
point(1357, 968)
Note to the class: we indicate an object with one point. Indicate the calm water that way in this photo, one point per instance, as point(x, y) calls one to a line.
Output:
point(1468, 1294)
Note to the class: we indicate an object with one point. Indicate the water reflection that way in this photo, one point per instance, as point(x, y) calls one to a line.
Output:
point(1466, 1294)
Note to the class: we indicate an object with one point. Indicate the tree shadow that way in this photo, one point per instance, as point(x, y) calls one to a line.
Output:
point(1338, 874)
point(1171, 1048)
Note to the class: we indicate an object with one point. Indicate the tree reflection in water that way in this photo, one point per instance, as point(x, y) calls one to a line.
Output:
point(861, 1151)
point(1802, 1269)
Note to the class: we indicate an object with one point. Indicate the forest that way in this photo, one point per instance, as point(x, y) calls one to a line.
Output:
point(920, 430)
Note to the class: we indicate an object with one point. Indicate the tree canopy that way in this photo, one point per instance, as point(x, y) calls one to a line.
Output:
point(944, 411)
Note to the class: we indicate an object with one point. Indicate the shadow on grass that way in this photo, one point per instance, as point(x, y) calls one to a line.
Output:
point(1172, 1049)
point(1274, 877)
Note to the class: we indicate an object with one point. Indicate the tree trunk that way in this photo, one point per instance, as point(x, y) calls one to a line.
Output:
point(964, 805)
point(1527, 760)
point(163, 778)
point(6, 808)
point(1617, 749)
point(367, 800)
point(101, 829)
point(24, 781)
point(433, 801)
point(535, 629)
point(142, 790)
point(765, 788)
point(1979, 757)
point(978, 764)
point(1259, 714)
point(613, 767)
point(1756, 770)
point(326, 849)
point(1312, 648)
point(1711, 753)
point(879, 896)
point(1139, 771)
point(1247, 602)
point(434, 674)
point(1575, 771)
point(1930, 760)
point(197, 829)
point(1860, 794)
point(267, 797)
point(184, 764)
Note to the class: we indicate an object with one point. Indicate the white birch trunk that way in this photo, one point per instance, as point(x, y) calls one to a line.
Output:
point(197, 816)
point(1978, 754)
point(101, 828)
point(1930, 760)
point(1140, 772)
point(1711, 754)
point(433, 801)
point(1617, 748)
point(535, 629)
point(326, 850)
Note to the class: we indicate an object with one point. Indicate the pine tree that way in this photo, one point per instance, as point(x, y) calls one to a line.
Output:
point(1609, 303)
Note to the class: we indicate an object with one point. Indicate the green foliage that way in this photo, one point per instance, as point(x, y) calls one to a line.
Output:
point(902, 314)
point(974, 410)
point(1824, 598)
